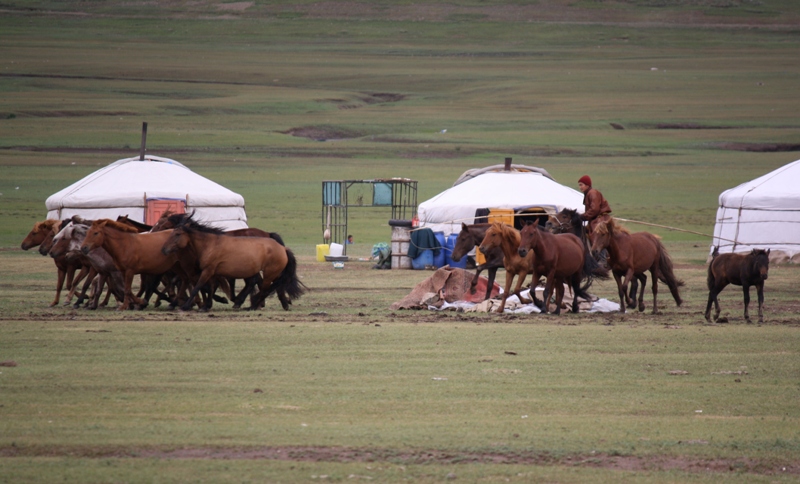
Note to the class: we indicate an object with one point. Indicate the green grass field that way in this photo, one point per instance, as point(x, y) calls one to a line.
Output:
point(341, 388)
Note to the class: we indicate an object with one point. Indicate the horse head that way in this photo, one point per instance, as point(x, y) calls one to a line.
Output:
point(37, 233)
point(95, 236)
point(177, 241)
point(464, 243)
point(601, 237)
point(760, 267)
point(493, 238)
point(529, 238)
point(61, 241)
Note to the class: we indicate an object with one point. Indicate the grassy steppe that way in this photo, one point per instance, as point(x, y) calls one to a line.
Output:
point(99, 397)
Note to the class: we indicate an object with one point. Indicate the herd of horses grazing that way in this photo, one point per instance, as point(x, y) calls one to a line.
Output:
point(179, 259)
point(562, 253)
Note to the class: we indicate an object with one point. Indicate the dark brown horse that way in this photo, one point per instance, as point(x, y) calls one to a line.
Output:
point(507, 239)
point(240, 258)
point(561, 258)
point(740, 270)
point(470, 237)
point(632, 254)
point(139, 226)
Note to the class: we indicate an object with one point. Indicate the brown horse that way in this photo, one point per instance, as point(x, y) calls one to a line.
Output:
point(630, 255)
point(241, 258)
point(133, 253)
point(744, 270)
point(69, 241)
point(469, 237)
point(507, 239)
point(139, 226)
point(561, 258)
point(42, 236)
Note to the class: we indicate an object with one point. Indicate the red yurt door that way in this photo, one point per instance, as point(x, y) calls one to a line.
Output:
point(156, 207)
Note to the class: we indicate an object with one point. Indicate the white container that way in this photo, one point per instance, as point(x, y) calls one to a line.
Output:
point(401, 239)
point(336, 250)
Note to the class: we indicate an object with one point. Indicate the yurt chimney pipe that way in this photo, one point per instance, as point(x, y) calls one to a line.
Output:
point(508, 164)
point(144, 141)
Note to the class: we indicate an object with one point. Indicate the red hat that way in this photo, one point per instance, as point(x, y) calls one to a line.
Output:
point(585, 180)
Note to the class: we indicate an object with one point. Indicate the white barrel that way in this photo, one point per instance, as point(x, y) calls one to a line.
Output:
point(401, 241)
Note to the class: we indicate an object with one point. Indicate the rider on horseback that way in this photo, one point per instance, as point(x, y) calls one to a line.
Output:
point(596, 207)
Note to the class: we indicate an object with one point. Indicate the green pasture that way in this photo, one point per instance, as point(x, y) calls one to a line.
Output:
point(706, 93)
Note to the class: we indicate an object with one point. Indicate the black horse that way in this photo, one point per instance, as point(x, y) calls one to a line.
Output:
point(741, 270)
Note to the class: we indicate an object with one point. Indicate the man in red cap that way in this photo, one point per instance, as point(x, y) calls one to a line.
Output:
point(596, 207)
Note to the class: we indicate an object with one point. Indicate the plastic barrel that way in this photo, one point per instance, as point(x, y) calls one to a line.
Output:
point(441, 259)
point(450, 245)
point(425, 258)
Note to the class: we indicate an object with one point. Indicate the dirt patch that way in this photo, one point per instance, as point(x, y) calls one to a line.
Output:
point(322, 133)
point(760, 147)
point(420, 457)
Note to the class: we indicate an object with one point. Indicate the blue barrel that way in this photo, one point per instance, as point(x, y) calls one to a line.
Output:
point(440, 259)
point(423, 260)
point(451, 244)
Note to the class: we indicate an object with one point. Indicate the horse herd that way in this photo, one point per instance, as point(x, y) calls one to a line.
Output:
point(562, 253)
point(180, 259)
point(185, 262)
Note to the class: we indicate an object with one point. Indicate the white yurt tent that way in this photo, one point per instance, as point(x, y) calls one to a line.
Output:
point(519, 188)
point(763, 213)
point(142, 189)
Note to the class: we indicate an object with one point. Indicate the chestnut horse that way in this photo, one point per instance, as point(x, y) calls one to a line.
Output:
point(42, 236)
point(241, 258)
point(569, 221)
point(133, 253)
point(507, 239)
point(631, 255)
point(471, 236)
point(741, 270)
point(561, 258)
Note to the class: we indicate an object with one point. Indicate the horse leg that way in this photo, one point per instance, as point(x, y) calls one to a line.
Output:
point(509, 280)
point(622, 302)
point(490, 285)
point(201, 281)
point(59, 285)
point(760, 291)
point(640, 278)
point(746, 290)
point(712, 298)
point(73, 285)
point(250, 283)
point(654, 276)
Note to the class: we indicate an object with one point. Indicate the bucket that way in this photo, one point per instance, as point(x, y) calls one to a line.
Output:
point(401, 240)
point(440, 259)
point(424, 259)
point(336, 250)
point(322, 251)
point(450, 245)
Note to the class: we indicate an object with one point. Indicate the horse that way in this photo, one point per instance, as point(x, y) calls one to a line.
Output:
point(507, 238)
point(741, 270)
point(42, 235)
point(133, 253)
point(471, 236)
point(560, 258)
point(632, 254)
point(172, 220)
point(69, 241)
point(139, 226)
point(242, 258)
point(570, 221)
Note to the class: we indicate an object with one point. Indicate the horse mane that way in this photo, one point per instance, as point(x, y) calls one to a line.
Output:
point(614, 227)
point(122, 227)
point(190, 224)
point(45, 225)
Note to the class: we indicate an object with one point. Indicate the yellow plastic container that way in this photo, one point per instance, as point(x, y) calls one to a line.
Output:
point(504, 215)
point(322, 251)
point(479, 257)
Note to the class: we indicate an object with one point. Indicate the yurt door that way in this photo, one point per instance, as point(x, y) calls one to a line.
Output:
point(157, 206)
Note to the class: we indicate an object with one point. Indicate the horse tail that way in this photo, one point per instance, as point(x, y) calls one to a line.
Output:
point(277, 238)
point(591, 270)
point(666, 274)
point(287, 284)
point(711, 280)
